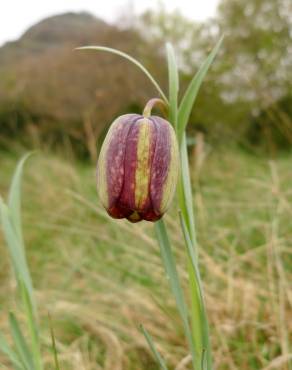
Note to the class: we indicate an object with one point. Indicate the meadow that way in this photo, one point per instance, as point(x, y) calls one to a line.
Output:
point(100, 278)
point(98, 281)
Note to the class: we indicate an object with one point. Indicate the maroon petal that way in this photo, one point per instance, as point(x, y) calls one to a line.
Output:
point(161, 161)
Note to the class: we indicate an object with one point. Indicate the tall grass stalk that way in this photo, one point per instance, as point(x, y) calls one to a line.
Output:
point(26, 353)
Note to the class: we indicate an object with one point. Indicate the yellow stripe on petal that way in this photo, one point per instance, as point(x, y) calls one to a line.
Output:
point(172, 176)
point(142, 174)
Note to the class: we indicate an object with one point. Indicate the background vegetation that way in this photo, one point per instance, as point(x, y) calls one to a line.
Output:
point(99, 278)
point(53, 96)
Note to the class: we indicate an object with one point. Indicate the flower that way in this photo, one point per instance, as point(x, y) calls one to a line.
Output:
point(137, 169)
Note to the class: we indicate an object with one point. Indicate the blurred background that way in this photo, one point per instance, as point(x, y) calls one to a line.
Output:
point(53, 96)
point(99, 278)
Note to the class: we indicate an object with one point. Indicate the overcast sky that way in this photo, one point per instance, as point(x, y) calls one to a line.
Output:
point(17, 15)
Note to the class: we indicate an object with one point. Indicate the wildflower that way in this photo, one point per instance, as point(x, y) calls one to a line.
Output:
point(137, 168)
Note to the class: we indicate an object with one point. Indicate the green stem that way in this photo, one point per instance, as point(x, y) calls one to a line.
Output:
point(155, 102)
point(198, 315)
point(169, 262)
point(198, 330)
point(31, 316)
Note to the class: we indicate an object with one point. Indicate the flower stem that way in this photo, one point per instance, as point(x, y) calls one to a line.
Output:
point(198, 314)
point(155, 102)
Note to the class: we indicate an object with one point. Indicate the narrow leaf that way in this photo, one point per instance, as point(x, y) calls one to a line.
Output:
point(204, 360)
point(15, 249)
point(171, 272)
point(193, 89)
point(57, 366)
point(20, 344)
point(14, 198)
point(32, 326)
point(9, 352)
point(131, 59)
point(156, 354)
point(187, 202)
point(191, 253)
point(173, 79)
point(198, 299)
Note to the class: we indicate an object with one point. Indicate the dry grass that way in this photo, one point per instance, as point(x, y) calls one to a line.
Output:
point(101, 278)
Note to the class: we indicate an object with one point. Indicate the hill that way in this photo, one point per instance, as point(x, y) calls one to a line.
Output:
point(52, 32)
point(51, 93)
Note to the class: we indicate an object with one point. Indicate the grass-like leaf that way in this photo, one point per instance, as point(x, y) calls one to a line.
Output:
point(186, 201)
point(15, 248)
point(173, 79)
point(57, 366)
point(171, 272)
point(32, 326)
point(20, 344)
point(151, 344)
point(12, 228)
point(131, 59)
point(198, 299)
point(10, 353)
point(190, 95)
point(14, 198)
point(204, 360)
point(191, 252)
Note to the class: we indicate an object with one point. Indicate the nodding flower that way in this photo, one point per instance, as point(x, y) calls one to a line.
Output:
point(138, 166)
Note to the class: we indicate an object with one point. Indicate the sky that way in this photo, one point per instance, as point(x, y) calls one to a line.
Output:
point(18, 15)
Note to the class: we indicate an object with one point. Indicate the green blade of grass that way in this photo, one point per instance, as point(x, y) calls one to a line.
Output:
point(15, 249)
point(170, 267)
point(20, 344)
point(204, 360)
point(190, 250)
point(12, 228)
point(32, 326)
point(151, 344)
point(200, 318)
point(185, 191)
point(14, 205)
point(171, 272)
point(14, 197)
point(192, 91)
point(57, 366)
point(131, 59)
point(173, 79)
point(9, 352)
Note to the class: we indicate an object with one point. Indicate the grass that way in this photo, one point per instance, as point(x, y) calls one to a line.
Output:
point(100, 279)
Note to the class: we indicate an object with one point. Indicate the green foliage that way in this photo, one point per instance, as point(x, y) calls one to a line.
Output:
point(172, 275)
point(271, 129)
point(87, 268)
point(56, 361)
point(151, 344)
point(21, 345)
point(10, 353)
point(27, 354)
point(190, 95)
